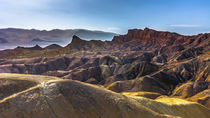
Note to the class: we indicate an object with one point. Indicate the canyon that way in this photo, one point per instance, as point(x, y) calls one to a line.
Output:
point(139, 74)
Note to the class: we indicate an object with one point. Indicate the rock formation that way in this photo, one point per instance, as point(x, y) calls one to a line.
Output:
point(144, 63)
point(53, 46)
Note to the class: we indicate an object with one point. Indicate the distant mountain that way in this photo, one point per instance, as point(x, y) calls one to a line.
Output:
point(2, 40)
point(37, 40)
point(53, 46)
point(61, 37)
point(36, 47)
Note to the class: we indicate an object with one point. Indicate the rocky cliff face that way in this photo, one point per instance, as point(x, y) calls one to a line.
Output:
point(79, 44)
point(153, 62)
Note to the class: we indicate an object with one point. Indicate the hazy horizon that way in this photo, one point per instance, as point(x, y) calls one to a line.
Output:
point(122, 33)
point(184, 17)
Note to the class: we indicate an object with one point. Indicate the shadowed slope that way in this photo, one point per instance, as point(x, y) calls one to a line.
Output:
point(58, 98)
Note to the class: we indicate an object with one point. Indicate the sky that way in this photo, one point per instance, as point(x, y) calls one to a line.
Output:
point(182, 16)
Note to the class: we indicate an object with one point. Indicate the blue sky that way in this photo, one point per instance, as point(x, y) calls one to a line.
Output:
point(182, 16)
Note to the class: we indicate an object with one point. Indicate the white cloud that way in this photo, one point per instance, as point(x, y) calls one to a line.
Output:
point(26, 13)
point(18, 5)
point(113, 29)
point(23, 2)
point(185, 25)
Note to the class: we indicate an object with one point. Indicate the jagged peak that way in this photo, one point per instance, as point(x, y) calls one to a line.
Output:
point(53, 46)
point(37, 46)
point(79, 44)
point(145, 30)
point(133, 30)
point(148, 29)
point(76, 39)
point(149, 36)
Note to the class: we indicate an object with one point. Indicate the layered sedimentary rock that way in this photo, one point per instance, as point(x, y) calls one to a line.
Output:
point(154, 62)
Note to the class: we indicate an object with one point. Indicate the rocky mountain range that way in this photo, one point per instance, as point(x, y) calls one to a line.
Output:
point(139, 74)
point(23, 37)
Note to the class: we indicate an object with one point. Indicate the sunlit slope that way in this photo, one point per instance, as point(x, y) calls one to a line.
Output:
point(51, 97)
point(174, 106)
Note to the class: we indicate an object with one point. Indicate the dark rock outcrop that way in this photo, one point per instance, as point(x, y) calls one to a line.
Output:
point(53, 46)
